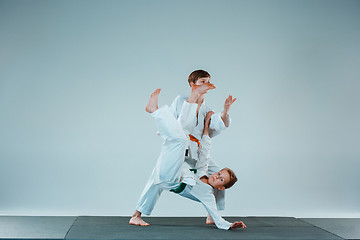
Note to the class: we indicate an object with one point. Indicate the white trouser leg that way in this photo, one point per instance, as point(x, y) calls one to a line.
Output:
point(172, 156)
point(166, 174)
point(187, 117)
point(149, 196)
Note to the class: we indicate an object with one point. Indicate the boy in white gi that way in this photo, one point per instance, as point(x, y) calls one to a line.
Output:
point(170, 173)
point(219, 121)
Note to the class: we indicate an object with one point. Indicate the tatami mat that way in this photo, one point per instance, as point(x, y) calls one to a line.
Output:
point(106, 227)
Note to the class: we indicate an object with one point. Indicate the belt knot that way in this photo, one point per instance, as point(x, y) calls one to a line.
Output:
point(194, 139)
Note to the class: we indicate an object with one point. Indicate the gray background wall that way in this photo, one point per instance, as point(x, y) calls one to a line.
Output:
point(75, 77)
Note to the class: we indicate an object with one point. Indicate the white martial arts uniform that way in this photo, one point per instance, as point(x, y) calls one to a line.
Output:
point(170, 168)
point(216, 126)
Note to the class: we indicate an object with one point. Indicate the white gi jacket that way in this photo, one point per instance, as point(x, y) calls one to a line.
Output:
point(202, 192)
point(199, 191)
point(216, 126)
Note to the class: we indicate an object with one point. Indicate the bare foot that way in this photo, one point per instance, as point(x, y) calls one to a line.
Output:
point(138, 221)
point(199, 90)
point(203, 88)
point(209, 220)
point(152, 105)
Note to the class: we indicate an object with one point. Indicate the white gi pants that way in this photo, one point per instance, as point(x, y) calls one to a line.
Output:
point(167, 171)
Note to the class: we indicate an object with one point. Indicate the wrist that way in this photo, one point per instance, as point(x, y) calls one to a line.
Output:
point(224, 113)
point(225, 118)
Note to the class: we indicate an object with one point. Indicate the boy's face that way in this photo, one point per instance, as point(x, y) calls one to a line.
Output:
point(203, 80)
point(219, 179)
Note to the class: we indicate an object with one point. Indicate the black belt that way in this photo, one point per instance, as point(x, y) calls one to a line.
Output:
point(186, 152)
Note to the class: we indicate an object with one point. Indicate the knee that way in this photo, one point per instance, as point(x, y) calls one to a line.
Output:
point(179, 137)
point(182, 141)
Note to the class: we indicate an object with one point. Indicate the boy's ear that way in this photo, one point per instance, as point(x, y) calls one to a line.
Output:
point(221, 188)
point(191, 84)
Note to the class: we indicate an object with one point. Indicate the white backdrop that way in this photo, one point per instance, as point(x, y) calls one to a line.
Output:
point(75, 77)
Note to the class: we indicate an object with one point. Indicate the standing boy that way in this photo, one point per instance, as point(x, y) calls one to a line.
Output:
point(219, 122)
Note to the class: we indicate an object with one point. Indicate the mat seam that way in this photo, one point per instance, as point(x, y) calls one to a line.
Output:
point(323, 229)
point(70, 227)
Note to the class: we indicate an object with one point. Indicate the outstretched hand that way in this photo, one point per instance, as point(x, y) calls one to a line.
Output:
point(224, 114)
point(238, 225)
point(228, 102)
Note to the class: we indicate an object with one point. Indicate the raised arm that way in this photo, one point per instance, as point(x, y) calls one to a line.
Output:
point(220, 121)
point(225, 113)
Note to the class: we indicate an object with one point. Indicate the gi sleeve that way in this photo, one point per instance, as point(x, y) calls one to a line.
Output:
point(217, 124)
point(207, 198)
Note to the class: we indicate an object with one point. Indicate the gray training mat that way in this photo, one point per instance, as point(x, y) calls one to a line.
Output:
point(194, 228)
point(101, 227)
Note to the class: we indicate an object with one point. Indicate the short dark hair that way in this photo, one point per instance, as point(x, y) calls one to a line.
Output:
point(195, 75)
point(233, 178)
